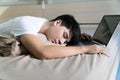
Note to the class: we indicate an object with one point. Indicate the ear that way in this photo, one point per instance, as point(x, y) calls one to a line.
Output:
point(57, 22)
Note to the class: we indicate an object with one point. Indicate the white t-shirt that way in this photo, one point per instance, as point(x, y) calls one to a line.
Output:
point(22, 25)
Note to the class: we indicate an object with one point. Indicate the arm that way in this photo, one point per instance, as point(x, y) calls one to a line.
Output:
point(42, 51)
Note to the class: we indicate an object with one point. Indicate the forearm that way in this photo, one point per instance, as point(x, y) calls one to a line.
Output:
point(63, 51)
point(50, 52)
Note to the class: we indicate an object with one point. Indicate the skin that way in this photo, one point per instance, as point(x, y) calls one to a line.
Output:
point(57, 34)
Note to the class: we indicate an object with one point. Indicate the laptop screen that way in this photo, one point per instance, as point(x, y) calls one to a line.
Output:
point(106, 28)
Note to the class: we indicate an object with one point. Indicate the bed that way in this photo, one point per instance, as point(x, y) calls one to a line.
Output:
point(80, 67)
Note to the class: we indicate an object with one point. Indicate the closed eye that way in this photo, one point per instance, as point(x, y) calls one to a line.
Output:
point(65, 35)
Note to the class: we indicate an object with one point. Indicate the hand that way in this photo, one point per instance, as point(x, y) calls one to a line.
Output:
point(86, 36)
point(96, 49)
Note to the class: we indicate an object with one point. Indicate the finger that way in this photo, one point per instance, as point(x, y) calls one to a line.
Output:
point(104, 52)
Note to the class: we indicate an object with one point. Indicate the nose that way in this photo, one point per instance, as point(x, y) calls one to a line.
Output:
point(62, 41)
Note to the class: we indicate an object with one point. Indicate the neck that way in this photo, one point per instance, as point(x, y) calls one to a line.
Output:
point(44, 27)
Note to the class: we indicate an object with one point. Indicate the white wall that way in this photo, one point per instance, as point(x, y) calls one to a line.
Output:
point(2, 10)
point(18, 2)
point(83, 11)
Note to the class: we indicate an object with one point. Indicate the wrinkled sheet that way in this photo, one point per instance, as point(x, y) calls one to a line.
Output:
point(80, 67)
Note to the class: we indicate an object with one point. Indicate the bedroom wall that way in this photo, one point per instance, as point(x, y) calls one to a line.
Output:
point(90, 12)
point(2, 10)
point(14, 11)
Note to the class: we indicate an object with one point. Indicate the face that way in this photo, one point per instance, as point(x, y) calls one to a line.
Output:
point(58, 34)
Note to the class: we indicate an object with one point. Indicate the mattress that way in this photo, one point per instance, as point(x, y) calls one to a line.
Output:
point(79, 67)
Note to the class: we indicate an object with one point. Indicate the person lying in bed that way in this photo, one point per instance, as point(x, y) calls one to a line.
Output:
point(64, 29)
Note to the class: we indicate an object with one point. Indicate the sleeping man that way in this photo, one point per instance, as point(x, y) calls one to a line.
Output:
point(63, 29)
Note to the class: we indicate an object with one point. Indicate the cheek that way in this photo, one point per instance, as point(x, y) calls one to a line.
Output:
point(59, 34)
point(53, 35)
point(56, 35)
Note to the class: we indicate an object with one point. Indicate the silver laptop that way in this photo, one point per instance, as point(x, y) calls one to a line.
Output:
point(104, 30)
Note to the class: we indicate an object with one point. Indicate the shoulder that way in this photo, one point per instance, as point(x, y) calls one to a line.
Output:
point(29, 20)
point(24, 18)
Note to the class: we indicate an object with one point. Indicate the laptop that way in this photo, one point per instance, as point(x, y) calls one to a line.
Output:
point(104, 30)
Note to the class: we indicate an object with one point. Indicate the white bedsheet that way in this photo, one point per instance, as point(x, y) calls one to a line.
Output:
point(80, 67)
